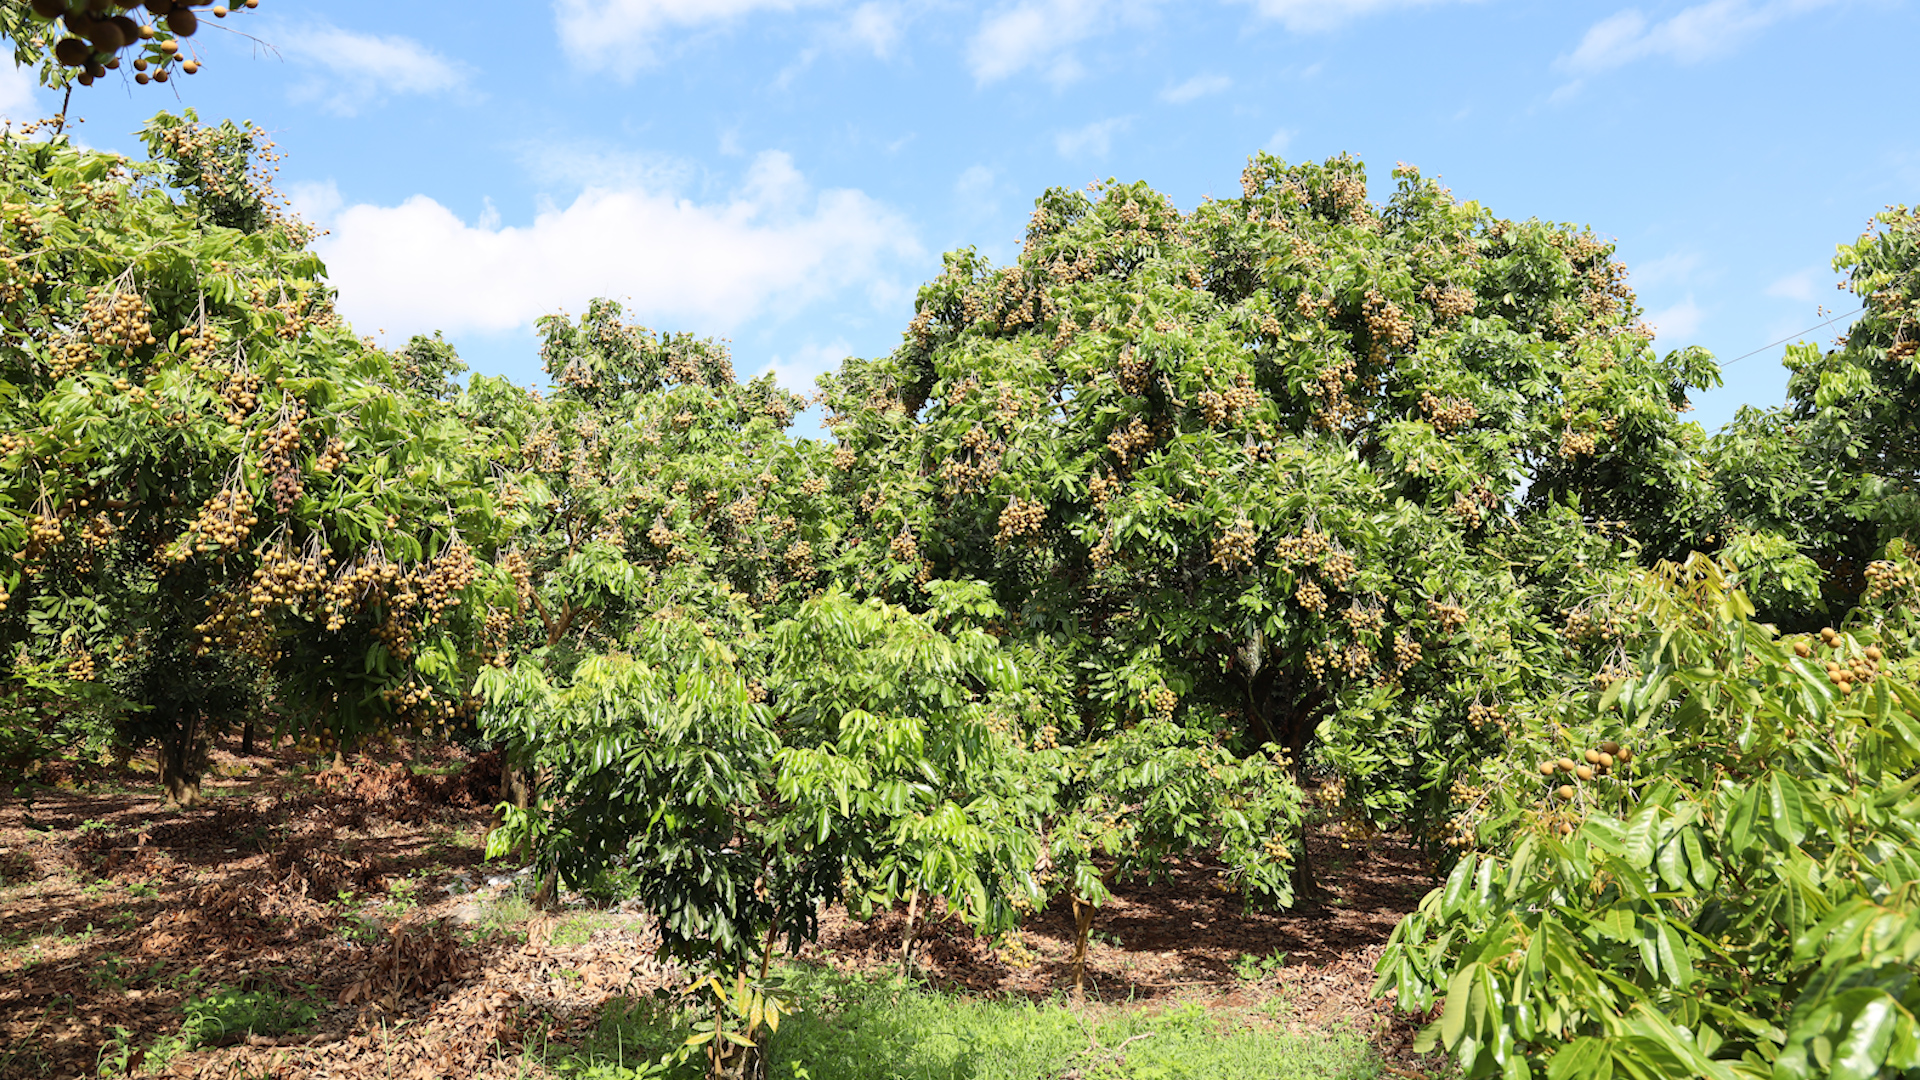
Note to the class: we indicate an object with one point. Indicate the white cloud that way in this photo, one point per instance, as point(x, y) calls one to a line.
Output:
point(624, 33)
point(1041, 34)
point(975, 190)
point(18, 99)
point(575, 165)
point(1698, 33)
point(876, 26)
point(1674, 268)
point(1805, 286)
point(314, 201)
point(1197, 87)
point(1278, 142)
point(348, 71)
point(1681, 320)
point(1094, 140)
point(774, 244)
point(1307, 16)
point(807, 363)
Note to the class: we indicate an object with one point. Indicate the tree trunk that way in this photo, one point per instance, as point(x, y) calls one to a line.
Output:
point(516, 784)
point(1306, 887)
point(180, 757)
point(246, 738)
point(1083, 926)
point(906, 939)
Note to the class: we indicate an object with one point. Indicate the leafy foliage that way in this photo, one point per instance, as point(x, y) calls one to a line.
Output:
point(1738, 897)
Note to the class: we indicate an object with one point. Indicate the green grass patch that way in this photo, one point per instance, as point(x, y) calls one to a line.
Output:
point(852, 1028)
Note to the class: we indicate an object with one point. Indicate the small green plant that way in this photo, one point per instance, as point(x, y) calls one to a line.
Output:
point(95, 825)
point(1251, 968)
point(228, 1011)
point(144, 890)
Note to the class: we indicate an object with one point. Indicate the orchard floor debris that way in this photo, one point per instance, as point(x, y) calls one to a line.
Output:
point(363, 893)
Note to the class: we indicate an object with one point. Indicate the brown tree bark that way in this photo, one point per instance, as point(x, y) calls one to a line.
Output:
point(180, 758)
point(1083, 926)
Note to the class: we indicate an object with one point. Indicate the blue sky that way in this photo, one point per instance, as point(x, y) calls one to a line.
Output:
point(785, 173)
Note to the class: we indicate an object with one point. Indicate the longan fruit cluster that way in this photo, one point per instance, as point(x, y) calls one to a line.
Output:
point(516, 565)
point(99, 532)
point(1364, 618)
point(446, 577)
point(1598, 761)
point(81, 669)
point(279, 448)
point(660, 535)
point(1845, 672)
point(903, 547)
point(4, 596)
point(1406, 651)
point(1449, 302)
point(348, 591)
point(117, 319)
point(240, 391)
point(223, 522)
point(1582, 625)
point(1576, 444)
point(844, 457)
point(814, 486)
point(1129, 439)
point(1021, 517)
point(1234, 548)
point(1885, 577)
point(743, 511)
point(43, 530)
point(1451, 617)
point(1466, 508)
point(1334, 409)
point(541, 450)
point(1310, 596)
point(99, 30)
point(11, 444)
point(799, 559)
point(335, 455)
point(493, 635)
point(1480, 717)
point(285, 580)
point(1163, 701)
point(1387, 326)
point(1448, 414)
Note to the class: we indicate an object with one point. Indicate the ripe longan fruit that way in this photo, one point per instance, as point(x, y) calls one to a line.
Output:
point(1547, 768)
point(1566, 764)
point(1610, 747)
point(49, 9)
point(183, 21)
point(1584, 772)
point(1625, 756)
point(1802, 650)
point(72, 52)
point(1606, 760)
point(1874, 654)
point(1593, 757)
point(1565, 792)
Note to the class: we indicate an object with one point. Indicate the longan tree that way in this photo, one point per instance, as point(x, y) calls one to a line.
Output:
point(1832, 477)
point(1269, 461)
point(215, 496)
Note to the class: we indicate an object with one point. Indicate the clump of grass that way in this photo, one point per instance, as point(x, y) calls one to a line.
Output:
point(849, 1027)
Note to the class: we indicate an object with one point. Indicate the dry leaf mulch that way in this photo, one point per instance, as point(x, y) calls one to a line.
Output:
point(364, 893)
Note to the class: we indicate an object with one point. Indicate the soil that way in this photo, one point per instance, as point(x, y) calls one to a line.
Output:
point(365, 893)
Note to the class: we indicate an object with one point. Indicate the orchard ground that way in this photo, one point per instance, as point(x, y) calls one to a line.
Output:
point(310, 922)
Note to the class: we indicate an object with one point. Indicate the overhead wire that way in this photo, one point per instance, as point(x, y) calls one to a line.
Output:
point(1792, 337)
